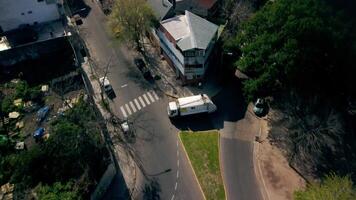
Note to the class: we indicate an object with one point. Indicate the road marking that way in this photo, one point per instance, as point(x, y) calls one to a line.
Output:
point(149, 95)
point(137, 104)
point(142, 102)
point(177, 173)
point(172, 197)
point(128, 109)
point(175, 187)
point(123, 111)
point(132, 106)
point(125, 85)
point(155, 95)
point(146, 99)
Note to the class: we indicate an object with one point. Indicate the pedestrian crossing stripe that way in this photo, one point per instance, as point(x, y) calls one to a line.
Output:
point(128, 109)
point(150, 96)
point(123, 111)
point(132, 106)
point(138, 103)
point(142, 102)
point(146, 99)
point(155, 95)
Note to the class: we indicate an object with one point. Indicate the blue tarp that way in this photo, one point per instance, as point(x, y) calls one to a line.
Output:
point(42, 113)
point(39, 133)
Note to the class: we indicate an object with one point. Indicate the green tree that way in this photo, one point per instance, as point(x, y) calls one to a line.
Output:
point(333, 187)
point(56, 191)
point(131, 20)
point(300, 44)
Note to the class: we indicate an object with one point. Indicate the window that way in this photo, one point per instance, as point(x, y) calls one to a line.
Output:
point(40, 0)
point(22, 13)
point(192, 107)
point(189, 53)
point(29, 12)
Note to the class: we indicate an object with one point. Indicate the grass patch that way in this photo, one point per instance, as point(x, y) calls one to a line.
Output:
point(203, 152)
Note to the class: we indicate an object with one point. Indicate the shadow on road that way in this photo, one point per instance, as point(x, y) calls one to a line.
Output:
point(199, 122)
point(152, 190)
point(231, 104)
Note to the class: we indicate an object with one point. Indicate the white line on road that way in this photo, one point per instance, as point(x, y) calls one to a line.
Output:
point(128, 109)
point(142, 102)
point(172, 197)
point(146, 99)
point(149, 95)
point(155, 95)
point(132, 106)
point(125, 85)
point(137, 104)
point(175, 187)
point(123, 111)
point(177, 173)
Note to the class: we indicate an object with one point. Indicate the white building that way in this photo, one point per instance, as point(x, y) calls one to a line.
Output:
point(187, 42)
point(14, 13)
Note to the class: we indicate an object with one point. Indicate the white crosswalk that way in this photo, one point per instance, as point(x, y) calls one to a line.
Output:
point(139, 103)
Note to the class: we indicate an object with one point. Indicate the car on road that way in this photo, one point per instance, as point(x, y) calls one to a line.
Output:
point(104, 82)
point(260, 107)
point(140, 64)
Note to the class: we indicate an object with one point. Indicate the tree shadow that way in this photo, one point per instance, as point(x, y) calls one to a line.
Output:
point(152, 190)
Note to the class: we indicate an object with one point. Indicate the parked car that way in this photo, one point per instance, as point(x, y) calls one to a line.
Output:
point(140, 64)
point(260, 107)
point(104, 82)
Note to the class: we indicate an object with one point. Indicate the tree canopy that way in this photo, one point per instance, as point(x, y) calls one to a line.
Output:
point(333, 187)
point(307, 45)
point(130, 20)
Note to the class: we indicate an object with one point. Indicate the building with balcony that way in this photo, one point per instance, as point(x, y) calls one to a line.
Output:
point(186, 42)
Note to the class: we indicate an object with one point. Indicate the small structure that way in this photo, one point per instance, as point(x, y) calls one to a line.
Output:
point(6, 191)
point(187, 42)
point(20, 124)
point(18, 102)
point(14, 115)
point(44, 88)
point(20, 146)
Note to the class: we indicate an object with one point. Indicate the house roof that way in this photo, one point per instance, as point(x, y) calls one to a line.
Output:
point(190, 31)
point(161, 8)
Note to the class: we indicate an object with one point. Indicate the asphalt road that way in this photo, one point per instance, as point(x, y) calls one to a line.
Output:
point(166, 169)
point(237, 130)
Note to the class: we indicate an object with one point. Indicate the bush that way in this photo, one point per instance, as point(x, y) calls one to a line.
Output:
point(57, 191)
point(7, 104)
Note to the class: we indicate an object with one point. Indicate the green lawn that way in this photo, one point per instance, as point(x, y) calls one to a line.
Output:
point(203, 152)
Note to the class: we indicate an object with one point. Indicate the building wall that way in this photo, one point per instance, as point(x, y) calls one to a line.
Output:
point(13, 13)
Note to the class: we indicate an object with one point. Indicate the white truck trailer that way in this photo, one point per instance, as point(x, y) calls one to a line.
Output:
point(191, 105)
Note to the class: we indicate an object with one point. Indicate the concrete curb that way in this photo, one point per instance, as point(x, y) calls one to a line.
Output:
point(191, 166)
point(221, 167)
point(258, 170)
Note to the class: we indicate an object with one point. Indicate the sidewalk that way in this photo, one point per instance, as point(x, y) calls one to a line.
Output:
point(276, 177)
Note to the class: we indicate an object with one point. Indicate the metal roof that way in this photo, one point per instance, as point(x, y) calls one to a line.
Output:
point(190, 31)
